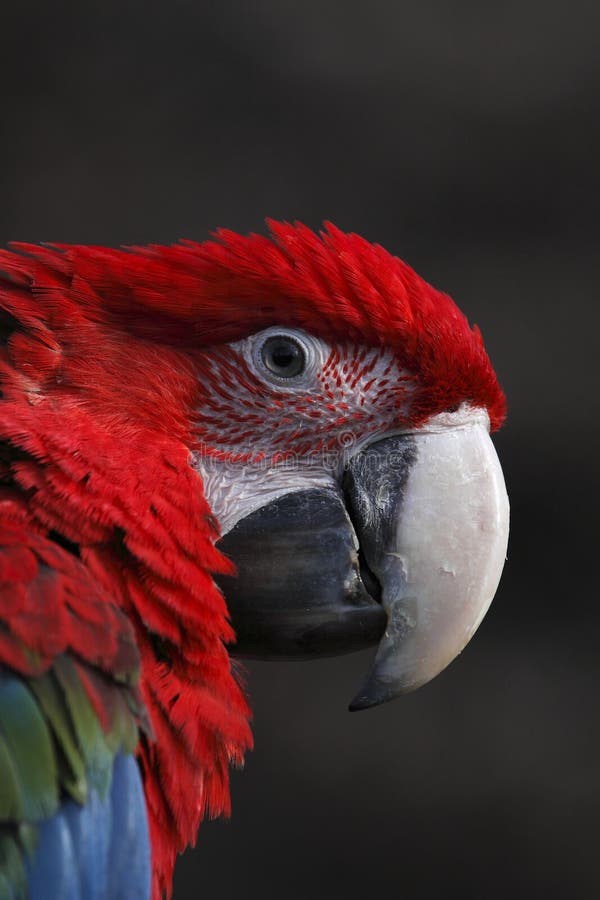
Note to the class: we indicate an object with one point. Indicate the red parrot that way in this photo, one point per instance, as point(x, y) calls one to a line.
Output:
point(264, 446)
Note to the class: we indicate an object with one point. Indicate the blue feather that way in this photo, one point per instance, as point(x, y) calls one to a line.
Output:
point(99, 851)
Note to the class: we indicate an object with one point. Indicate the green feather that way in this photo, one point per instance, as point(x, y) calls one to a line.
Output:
point(71, 763)
point(29, 745)
point(123, 734)
point(6, 891)
point(90, 736)
point(13, 879)
point(11, 801)
point(27, 836)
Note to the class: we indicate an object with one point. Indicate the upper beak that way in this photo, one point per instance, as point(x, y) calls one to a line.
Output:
point(438, 555)
point(421, 521)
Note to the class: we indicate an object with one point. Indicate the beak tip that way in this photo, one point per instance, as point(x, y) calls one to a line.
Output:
point(358, 704)
point(373, 693)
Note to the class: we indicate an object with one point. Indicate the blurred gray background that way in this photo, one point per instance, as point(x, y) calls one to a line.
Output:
point(464, 137)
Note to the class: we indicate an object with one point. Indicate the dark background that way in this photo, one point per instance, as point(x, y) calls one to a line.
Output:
point(464, 137)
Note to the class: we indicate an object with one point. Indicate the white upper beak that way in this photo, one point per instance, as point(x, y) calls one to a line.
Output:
point(442, 567)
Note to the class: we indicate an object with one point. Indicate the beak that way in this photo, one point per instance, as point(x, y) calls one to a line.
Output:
point(406, 552)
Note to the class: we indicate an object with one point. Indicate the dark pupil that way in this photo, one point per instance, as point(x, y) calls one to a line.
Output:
point(283, 357)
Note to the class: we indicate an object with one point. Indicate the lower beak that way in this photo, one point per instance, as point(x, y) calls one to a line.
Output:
point(408, 554)
point(299, 590)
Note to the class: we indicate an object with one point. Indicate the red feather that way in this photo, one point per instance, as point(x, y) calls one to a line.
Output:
point(50, 604)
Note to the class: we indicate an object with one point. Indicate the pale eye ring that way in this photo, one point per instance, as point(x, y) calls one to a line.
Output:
point(283, 356)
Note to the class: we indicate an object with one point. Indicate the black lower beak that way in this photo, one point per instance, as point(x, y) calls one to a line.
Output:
point(300, 588)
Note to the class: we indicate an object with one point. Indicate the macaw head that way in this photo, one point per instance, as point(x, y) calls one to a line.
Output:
point(341, 431)
point(343, 443)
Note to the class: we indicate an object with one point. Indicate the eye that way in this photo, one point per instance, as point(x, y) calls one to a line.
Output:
point(283, 356)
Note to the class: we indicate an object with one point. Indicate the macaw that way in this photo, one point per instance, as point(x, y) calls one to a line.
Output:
point(263, 446)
